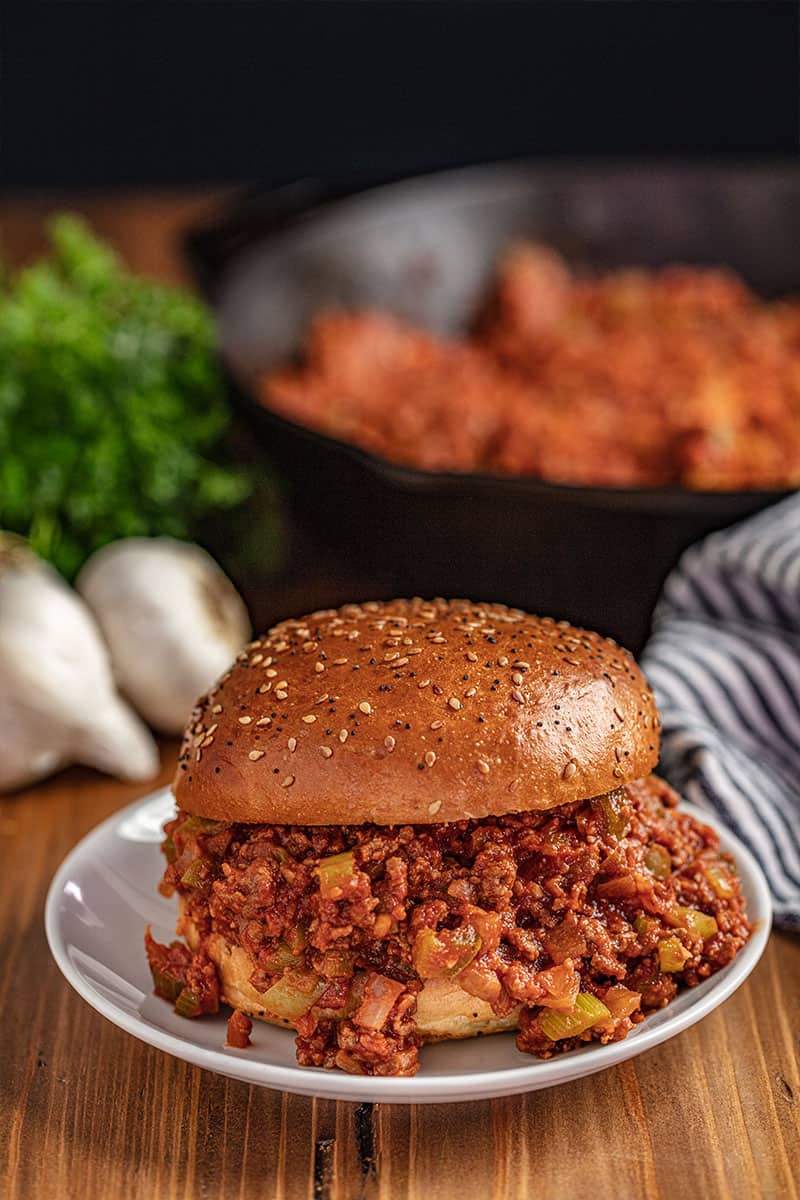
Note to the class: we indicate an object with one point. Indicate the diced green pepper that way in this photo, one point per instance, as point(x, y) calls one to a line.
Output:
point(658, 862)
point(187, 1003)
point(168, 849)
point(720, 880)
point(196, 873)
point(692, 919)
point(335, 874)
point(166, 984)
point(588, 1011)
point(672, 955)
point(204, 825)
point(285, 999)
point(336, 963)
point(279, 959)
point(614, 808)
point(296, 937)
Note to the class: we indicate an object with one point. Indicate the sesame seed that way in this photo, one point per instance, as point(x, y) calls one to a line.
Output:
point(423, 683)
point(574, 662)
point(281, 695)
point(217, 708)
point(325, 751)
point(321, 699)
point(472, 656)
point(569, 770)
point(281, 646)
point(309, 719)
point(391, 656)
point(264, 688)
point(437, 724)
point(339, 662)
point(245, 720)
point(430, 758)
point(618, 715)
point(292, 744)
point(365, 707)
point(255, 755)
point(517, 677)
point(288, 781)
point(256, 659)
point(207, 742)
point(319, 667)
point(308, 647)
point(502, 662)
point(470, 691)
point(619, 773)
point(401, 662)
point(454, 702)
point(518, 696)
point(271, 673)
point(483, 767)
point(434, 808)
point(342, 735)
point(264, 721)
point(389, 742)
point(213, 728)
point(438, 640)
point(282, 684)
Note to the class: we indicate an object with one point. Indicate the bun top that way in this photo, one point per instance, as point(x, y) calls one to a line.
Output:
point(416, 711)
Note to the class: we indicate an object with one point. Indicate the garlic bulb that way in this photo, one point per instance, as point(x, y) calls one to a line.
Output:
point(172, 620)
point(58, 704)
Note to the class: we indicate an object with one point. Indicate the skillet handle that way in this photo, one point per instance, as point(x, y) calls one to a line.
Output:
point(256, 214)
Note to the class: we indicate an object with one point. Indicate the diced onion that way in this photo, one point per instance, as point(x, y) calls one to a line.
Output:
point(380, 995)
point(442, 954)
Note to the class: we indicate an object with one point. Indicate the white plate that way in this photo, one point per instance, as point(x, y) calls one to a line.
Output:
point(105, 893)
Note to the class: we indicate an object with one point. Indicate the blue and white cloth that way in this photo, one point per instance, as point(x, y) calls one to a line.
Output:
point(724, 662)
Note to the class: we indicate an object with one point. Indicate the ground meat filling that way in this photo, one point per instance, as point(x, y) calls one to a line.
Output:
point(588, 916)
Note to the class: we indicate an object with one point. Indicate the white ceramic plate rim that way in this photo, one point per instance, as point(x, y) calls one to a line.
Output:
point(417, 1089)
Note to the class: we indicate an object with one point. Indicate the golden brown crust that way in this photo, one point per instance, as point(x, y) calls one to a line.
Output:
point(444, 1010)
point(416, 711)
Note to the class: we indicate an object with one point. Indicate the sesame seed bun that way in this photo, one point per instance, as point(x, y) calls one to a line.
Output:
point(444, 1010)
point(414, 711)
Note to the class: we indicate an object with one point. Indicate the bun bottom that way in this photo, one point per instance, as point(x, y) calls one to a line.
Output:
point(444, 1010)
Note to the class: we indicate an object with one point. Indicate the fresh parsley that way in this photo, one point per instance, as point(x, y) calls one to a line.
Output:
point(112, 410)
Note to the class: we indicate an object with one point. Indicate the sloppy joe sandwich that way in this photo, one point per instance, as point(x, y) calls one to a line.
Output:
point(414, 820)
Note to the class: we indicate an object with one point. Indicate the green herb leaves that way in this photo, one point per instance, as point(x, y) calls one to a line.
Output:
point(111, 405)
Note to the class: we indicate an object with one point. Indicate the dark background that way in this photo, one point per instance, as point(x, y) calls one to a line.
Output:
point(98, 94)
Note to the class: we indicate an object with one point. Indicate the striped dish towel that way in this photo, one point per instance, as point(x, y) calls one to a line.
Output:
point(724, 661)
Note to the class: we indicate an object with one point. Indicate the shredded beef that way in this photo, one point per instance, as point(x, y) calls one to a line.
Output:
point(593, 899)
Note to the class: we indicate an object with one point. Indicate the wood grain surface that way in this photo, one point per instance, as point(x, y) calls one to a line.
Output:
point(86, 1111)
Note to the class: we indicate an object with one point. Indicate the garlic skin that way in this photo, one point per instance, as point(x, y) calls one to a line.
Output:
point(58, 703)
point(173, 622)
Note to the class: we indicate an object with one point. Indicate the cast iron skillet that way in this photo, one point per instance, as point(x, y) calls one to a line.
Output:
point(425, 249)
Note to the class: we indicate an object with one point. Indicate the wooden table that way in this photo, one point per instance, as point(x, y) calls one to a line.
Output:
point(86, 1111)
